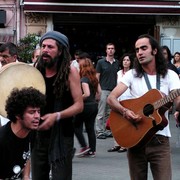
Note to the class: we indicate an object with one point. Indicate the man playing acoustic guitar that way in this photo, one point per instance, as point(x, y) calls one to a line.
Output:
point(141, 124)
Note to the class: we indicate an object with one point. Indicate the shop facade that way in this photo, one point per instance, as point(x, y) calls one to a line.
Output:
point(91, 24)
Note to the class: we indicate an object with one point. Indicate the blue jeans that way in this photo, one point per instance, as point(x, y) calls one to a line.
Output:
point(157, 154)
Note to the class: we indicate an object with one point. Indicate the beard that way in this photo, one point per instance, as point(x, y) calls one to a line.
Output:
point(49, 62)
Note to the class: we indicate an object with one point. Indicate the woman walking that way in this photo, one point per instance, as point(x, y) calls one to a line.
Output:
point(90, 93)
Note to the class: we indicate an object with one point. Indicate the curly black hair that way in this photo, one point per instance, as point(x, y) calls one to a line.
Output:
point(20, 99)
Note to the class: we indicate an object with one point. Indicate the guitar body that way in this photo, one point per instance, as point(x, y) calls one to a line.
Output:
point(129, 134)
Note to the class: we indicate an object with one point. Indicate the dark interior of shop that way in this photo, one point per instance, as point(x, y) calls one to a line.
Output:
point(91, 33)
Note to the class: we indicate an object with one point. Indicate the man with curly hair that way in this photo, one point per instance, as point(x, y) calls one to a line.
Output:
point(23, 110)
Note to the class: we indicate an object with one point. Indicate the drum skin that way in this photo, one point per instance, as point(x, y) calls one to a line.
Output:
point(18, 75)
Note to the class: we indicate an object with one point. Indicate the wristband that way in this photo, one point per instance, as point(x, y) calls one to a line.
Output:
point(58, 116)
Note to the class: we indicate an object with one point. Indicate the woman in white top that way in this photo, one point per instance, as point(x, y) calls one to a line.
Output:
point(126, 63)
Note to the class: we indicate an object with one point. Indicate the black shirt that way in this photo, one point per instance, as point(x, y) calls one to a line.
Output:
point(14, 152)
point(108, 74)
point(91, 98)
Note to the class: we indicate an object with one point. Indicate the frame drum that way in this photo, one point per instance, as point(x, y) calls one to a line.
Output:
point(18, 75)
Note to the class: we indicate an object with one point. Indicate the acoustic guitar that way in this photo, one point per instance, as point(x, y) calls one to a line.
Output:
point(151, 107)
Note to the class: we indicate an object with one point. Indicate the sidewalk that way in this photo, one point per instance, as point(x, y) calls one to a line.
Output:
point(114, 165)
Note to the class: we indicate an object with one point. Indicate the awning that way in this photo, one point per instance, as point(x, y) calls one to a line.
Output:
point(104, 7)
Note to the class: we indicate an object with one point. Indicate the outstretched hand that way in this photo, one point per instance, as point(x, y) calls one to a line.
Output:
point(48, 121)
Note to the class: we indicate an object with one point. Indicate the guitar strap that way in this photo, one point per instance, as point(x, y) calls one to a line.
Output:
point(149, 87)
point(148, 83)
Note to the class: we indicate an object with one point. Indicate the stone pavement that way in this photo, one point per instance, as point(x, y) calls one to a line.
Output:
point(114, 165)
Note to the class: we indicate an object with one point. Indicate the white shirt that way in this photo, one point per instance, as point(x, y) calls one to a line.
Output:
point(138, 87)
point(127, 93)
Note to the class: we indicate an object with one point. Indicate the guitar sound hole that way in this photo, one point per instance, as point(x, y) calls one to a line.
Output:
point(148, 109)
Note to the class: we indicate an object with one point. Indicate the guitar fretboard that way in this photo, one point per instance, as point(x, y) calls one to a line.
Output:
point(166, 99)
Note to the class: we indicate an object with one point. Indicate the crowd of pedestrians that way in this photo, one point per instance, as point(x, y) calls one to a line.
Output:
point(80, 97)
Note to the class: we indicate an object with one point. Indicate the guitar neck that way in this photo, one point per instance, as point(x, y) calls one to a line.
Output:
point(168, 98)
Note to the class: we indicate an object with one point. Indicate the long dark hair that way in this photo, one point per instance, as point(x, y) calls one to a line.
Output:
point(63, 70)
point(168, 52)
point(130, 58)
point(161, 64)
